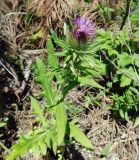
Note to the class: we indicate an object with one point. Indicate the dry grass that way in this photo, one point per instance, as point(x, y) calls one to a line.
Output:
point(52, 10)
point(104, 129)
point(7, 6)
point(9, 21)
point(101, 128)
point(50, 14)
point(91, 10)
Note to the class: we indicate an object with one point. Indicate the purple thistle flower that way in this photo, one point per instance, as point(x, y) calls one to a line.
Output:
point(84, 28)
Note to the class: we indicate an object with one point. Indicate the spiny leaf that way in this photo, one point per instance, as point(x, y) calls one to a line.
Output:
point(35, 151)
point(79, 136)
point(58, 41)
point(61, 122)
point(90, 82)
point(51, 54)
point(43, 146)
point(54, 142)
point(38, 111)
point(106, 149)
point(24, 145)
point(52, 58)
point(46, 82)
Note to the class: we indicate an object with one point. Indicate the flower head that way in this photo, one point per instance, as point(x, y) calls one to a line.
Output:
point(84, 28)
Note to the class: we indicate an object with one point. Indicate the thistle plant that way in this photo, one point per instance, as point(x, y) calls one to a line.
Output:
point(79, 66)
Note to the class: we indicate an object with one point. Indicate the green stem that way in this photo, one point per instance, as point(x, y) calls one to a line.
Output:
point(4, 147)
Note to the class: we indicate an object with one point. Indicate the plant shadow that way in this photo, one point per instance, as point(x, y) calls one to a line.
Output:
point(73, 153)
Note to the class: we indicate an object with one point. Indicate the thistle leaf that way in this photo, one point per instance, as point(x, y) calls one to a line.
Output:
point(79, 136)
point(58, 41)
point(51, 54)
point(52, 59)
point(106, 149)
point(38, 111)
point(54, 142)
point(46, 82)
point(61, 122)
point(90, 82)
point(25, 144)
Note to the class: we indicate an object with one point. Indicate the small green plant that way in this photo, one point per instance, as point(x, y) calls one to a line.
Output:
point(122, 63)
point(125, 104)
point(54, 129)
point(106, 149)
point(80, 66)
